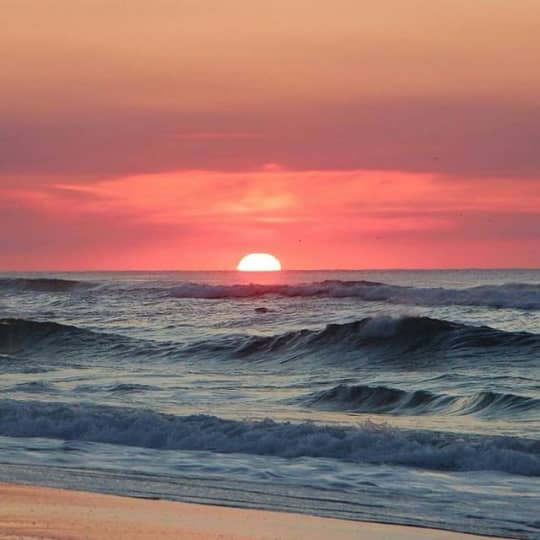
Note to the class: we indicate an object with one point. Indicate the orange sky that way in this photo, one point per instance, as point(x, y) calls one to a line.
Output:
point(183, 134)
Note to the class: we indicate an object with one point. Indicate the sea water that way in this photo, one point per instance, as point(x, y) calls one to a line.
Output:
point(397, 396)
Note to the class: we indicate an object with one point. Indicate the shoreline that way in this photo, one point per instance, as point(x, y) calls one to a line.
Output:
point(29, 512)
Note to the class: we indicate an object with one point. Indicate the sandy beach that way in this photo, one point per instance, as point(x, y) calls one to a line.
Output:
point(36, 513)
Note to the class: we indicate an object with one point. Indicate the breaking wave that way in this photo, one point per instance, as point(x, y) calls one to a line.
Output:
point(381, 399)
point(53, 285)
point(512, 295)
point(524, 296)
point(382, 338)
point(391, 336)
point(366, 443)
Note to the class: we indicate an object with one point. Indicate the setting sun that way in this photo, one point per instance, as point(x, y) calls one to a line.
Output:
point(259, 262)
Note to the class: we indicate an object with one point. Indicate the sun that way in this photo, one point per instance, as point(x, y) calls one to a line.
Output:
point(259, 262)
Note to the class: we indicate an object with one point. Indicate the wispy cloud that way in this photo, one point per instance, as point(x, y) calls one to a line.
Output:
point(206, 219)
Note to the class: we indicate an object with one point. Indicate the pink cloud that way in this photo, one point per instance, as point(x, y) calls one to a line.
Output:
point(207, 219)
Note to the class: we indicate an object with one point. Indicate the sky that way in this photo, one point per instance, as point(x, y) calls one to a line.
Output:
point(347, 134)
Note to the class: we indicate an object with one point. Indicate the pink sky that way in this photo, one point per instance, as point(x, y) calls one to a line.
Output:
point(182, 135)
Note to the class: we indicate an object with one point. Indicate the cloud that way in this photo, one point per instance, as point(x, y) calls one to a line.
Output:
point(471, 138)
point(208, 219)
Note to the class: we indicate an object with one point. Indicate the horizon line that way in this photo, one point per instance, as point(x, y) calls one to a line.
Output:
point(231, 270)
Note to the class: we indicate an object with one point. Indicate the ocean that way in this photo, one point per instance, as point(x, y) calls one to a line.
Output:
point(408, 397)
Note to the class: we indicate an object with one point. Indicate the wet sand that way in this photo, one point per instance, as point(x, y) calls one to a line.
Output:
point(37, 513)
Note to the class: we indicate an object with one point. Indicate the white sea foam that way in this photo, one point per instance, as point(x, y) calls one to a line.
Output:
point(513, 295)
point(366, 443)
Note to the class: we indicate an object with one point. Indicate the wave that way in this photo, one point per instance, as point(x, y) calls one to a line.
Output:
point(524, 296)
point(34, 387)
point(122, 388)
point(380, 339)
point(377, 399)
point(365, 443)
point(17, 335)
point(391, 338)
point(381, 399)
point(511, 295)
point(499, 404)
point(53, 285)
point(254, 290)
point(56, 343)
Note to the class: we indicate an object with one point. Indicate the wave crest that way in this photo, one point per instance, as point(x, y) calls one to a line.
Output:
point(381, 339)
point(53, 285)
point(365, 443)
point(20, 334)
point(22, 339)
point(390, 336)
point(382, 399)
point(512, 295)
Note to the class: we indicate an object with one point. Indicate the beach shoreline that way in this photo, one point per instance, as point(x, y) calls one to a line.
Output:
point(32, 512)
